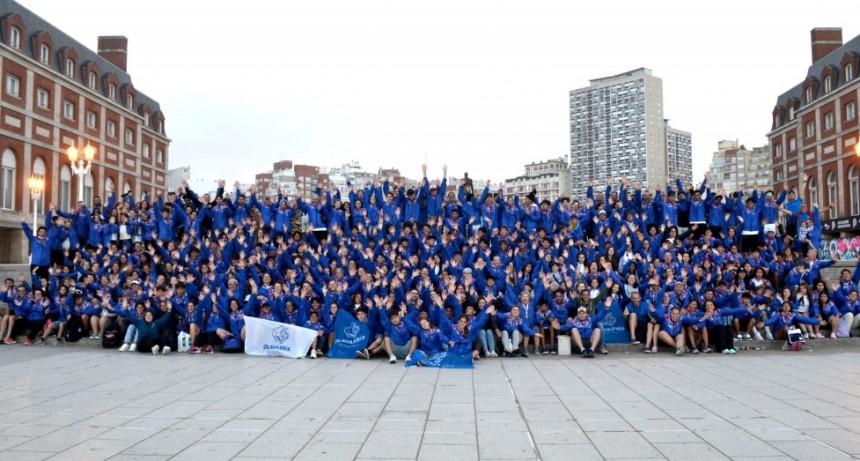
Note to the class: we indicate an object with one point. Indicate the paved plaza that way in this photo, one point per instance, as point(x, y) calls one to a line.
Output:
point(81, 403)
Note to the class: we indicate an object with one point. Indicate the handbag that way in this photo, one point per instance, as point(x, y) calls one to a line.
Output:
point(232, 344)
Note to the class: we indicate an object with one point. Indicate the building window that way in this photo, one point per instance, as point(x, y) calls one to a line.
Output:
point(810, 129)
point(813, 192)
point(7, 180)
point(88, 190)
point(15, 38)
point(161, 127)
point(849, 72)
point(69, 110)
point(850, 111)
point(776, 120)
point(91, 119)
point(827, 85)
point(146, 120)
point(828, 121)
point(40, 172)
point(42, 98)
point(112, 91)
point(808, 94)
point(778, 149)
point(13, 85)
point(91, 81)
point(791, 113)
point(129, 102)
point(45, 54)
point(854, 190)
point(831, 193)
point(159, 155)
point(792, 144)
point(70, 68)
point(65, 188)
point(129, 136)
point(146, 151)
point(111, 128)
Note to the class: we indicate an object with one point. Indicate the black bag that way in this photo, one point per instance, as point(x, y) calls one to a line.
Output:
point(74, 329)
point(112, 336)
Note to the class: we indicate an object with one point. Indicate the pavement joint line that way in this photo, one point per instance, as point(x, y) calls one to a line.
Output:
point(520, 409)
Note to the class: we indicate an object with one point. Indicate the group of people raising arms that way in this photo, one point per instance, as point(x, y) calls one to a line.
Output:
point(430, 269)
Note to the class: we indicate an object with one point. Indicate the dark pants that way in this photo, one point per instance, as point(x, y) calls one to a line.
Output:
point(722, 337)
point(209, 338)
point(716, 231)
point(146, 344)
point(749, 243)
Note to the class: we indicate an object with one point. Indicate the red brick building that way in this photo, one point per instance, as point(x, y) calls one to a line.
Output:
point(815, 128)
point(57, 92)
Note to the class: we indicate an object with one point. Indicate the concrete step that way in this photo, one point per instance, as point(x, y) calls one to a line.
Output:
point(826, 343)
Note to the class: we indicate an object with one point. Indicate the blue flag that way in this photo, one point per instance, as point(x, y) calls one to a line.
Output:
point(613, 328)
point(446, 359)
point(350, 336)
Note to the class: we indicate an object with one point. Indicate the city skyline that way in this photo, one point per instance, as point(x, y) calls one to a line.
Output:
point(447, 83)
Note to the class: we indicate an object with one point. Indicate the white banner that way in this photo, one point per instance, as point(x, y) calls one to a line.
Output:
point(264, 337)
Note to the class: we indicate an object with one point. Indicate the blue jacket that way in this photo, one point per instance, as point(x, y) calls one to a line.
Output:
point(40, 249)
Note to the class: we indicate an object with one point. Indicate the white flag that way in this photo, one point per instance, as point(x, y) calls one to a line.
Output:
point(264, 337)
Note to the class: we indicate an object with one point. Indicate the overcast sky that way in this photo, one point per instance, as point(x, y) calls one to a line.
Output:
point(479, 85)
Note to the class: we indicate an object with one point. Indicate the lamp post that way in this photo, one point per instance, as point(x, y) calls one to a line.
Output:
point(79, 168)
point(36, 185)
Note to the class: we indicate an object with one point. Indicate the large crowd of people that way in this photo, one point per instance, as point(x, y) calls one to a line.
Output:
point(474, 271)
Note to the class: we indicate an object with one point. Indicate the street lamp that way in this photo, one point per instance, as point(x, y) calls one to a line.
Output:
point(36, 185)
point(79, 168)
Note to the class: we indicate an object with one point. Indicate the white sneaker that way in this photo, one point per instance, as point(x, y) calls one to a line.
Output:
point(392, 359)
point(124, 347)
point(806, 336)
point(166, 350)
point(768, 334)
point(409, 358)
point(747, 337)
point(757, 335)
point(154, 350)
point(133, 347)
point(739, 337)
point(313, 354)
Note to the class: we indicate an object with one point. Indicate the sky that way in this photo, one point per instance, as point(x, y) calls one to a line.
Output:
point(480, 86)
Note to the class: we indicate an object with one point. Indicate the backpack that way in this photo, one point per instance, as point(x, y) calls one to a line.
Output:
point(74, 330)
point(112, 336)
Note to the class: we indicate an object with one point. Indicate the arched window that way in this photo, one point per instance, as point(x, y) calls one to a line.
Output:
point(39, 171)
point(109, 186)
point(813, 193)
point(854, 190)
point(7, 180)
point(126, 188)
point(831, 193)
point(65, 188)
point(88, 190)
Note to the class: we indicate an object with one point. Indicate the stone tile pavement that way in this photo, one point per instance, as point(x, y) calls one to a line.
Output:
point(85, 403)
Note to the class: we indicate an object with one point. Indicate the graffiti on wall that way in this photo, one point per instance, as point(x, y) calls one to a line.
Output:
point(845, 248)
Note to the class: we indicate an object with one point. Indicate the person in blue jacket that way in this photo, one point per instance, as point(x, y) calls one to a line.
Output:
point(780, 323)
point(672, 329)
point(40, 249)
point(583, 328)
point(149, 334)
point(514, 327)
point(464, 332)
point(313, 323)
point(400, 339)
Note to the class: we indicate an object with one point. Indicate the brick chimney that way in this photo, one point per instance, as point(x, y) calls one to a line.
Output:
point(824, 41)
point(114, 48)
